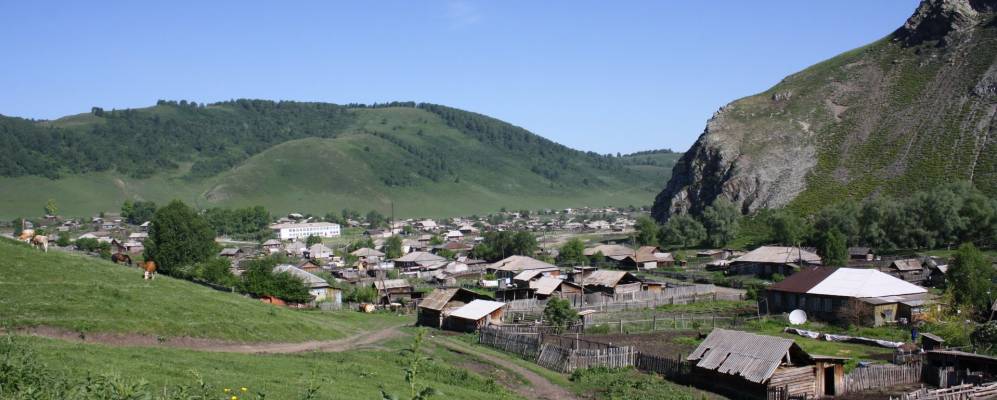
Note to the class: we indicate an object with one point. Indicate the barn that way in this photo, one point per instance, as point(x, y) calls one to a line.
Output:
point(754, 366)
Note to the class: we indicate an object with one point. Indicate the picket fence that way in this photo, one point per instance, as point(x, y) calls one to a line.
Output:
point(878, 376)
point(960, 392)
point(553, 357)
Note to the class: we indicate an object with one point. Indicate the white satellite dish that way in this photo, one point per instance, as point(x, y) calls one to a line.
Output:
point(797, 317)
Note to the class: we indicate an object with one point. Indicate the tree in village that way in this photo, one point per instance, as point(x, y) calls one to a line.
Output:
point(647, 231)
point(499, 245)
point(682, 230)
point(573, 253)
point(832, 248)
point(179, 237)
point(970, 279)
point(721, 220)
point(559, 314)
point(393, 247)
point(312, 240)
point(138, 212)
point(51, 208)
point(787, 227)
point(260, 280)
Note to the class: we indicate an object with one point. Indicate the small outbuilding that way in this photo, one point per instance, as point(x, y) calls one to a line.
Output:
point(475, 315)
point(435, 307)
point(759, 366)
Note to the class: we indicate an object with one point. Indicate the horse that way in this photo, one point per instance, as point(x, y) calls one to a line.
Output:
point(150, 270)
point(40, 242)
point(118, 258)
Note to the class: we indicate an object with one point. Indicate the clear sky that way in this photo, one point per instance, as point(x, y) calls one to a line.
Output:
point(604, 76)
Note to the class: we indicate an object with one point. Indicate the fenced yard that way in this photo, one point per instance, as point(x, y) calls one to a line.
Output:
point(555, 357)
point(879, 376)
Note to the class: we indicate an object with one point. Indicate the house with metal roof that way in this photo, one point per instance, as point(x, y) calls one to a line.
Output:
point(610, 282)
point(861, 296)
point(757, 366)
point(319, 288)
point(393, 290)
point(768, 260)
point(511, 266)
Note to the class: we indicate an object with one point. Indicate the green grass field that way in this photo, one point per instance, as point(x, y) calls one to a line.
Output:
point(355, 374)
point(84, 294)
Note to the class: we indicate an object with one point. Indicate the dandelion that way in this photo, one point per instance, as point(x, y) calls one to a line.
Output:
point(235, 397)
point(243, 389)
point(227, 390)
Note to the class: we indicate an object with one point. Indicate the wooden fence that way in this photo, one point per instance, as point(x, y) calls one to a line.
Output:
point(554, 357)
point(878, 376)
point(961, 392)
point(671, 368)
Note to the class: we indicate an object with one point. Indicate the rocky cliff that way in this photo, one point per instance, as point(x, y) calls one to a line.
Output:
point(911, 110)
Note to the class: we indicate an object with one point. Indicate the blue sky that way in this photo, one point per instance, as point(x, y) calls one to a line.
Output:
point(594, 75)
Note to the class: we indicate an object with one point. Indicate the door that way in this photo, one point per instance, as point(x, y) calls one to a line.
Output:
point(829, 381)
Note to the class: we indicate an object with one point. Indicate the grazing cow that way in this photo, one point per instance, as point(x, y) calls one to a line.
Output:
point(150, 270)
point(40, 242)
point(26, 235)
point(119, 258)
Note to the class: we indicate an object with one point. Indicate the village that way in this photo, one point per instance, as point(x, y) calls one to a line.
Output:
point(769, 322)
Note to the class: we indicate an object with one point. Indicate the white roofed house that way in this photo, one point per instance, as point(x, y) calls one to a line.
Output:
point(319, 288)
point(319, 251)
point(857, 296)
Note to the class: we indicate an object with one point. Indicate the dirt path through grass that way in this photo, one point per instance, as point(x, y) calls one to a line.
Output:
point(539, 389)
point(357, 341)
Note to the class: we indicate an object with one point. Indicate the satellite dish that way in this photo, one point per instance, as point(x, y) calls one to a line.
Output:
point(797, 317)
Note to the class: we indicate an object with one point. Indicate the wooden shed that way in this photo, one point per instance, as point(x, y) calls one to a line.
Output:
point(475, 315)
point(393, 290)
point(754, 366)
point(441, 302)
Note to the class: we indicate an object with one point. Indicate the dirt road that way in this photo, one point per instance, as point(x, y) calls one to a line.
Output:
point(358, 341)
point(539, 389)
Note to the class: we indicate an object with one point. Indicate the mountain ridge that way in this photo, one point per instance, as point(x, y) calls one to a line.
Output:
point(908, 111)
point(309, 157)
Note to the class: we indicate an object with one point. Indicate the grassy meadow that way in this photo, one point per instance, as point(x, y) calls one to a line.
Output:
point(85, 294)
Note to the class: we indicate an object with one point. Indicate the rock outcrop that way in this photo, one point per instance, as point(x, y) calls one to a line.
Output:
point(911, 110)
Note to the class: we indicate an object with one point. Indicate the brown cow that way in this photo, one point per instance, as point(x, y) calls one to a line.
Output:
point(150, 270)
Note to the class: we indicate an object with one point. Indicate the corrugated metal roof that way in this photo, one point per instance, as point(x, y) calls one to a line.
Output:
point(854, 282)
point(520, 263)
point(391, 284)
point(753, 357)
point(910, 264)
point(804, 280)
point(477, 309)
point(308, 278)
point(546, 285)
point(367, 252)
point(779, 255)
point(605, 278)
point(438, 299)
point(609, 250)
point(420, 257)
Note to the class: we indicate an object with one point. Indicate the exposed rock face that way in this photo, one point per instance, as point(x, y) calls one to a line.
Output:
point(909, 111)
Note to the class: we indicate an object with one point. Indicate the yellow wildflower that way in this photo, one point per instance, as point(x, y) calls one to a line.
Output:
point(227, 390)
point(235, 397)
point(244, 390)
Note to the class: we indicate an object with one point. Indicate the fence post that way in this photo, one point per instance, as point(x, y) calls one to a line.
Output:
point(654, 322)
point(621, 326)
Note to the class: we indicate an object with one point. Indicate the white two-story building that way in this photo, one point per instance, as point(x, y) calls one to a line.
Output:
point(289, 231)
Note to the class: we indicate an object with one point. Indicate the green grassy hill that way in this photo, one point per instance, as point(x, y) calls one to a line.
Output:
point(86, 295)
point(904, 113)
point(308, 157)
